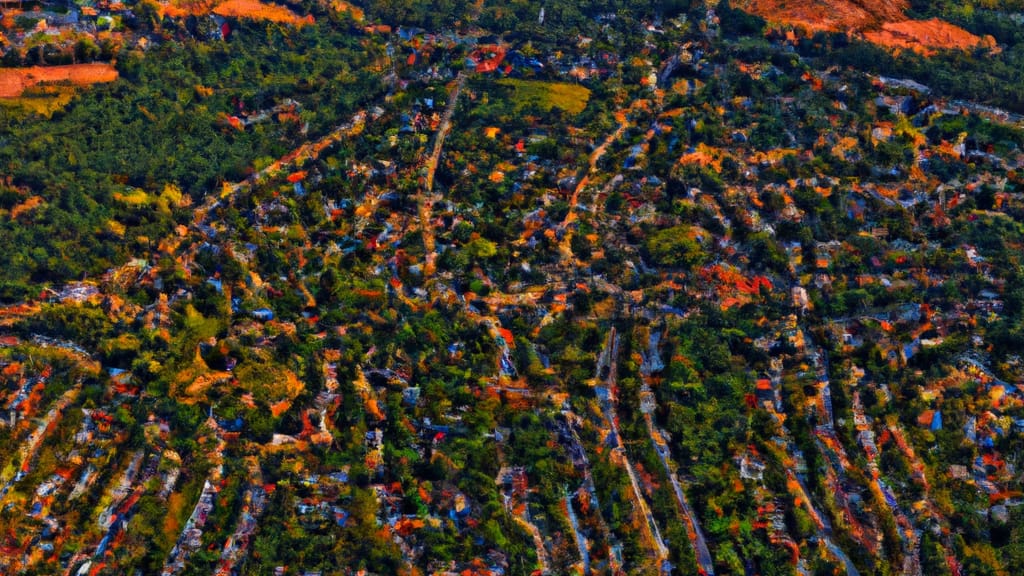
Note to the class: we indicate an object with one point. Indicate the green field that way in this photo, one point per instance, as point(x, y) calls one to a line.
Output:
point(572, 98)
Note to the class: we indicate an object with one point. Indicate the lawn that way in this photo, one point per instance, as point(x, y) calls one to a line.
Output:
point(572, 98)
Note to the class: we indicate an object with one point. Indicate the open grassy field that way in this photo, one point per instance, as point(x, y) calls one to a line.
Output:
point(572, 98)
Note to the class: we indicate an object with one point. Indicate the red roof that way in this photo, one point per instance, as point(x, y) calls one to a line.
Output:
point(926, 417)
point(488, 58)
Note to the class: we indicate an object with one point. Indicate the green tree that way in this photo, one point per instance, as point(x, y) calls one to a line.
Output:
point(675, 247)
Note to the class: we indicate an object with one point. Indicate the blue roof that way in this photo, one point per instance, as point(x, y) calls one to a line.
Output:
point(889, 498)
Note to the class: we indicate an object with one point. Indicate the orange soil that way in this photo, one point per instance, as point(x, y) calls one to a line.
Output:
point(882, 23)
point(14, 81)
point(925, 36)
point(181, 9)
point(252, 9)
point(833, 15)
point(257, 10)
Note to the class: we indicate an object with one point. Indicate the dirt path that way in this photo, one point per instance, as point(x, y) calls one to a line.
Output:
point(426, 196)
point(305, 152)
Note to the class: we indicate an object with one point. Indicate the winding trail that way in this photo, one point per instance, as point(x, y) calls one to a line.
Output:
point(565, 248)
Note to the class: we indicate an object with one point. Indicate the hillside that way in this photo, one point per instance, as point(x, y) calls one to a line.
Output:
point(883, 23)
point(830, 15)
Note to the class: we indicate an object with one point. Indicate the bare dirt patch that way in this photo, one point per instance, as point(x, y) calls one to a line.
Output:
point(256, 10)
point(832, 16)
point(926, 36)
point(14, 81)
point(881, 22)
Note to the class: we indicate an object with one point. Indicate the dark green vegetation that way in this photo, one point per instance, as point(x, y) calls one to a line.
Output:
point(165, 123)
point(681, 298)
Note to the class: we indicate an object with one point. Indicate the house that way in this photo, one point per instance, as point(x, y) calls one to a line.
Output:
point(800, 299)
point(411, 396)
point(486, 58)
point(897, 104)
point(959, 472)
point(931, 419)
point(751, 466)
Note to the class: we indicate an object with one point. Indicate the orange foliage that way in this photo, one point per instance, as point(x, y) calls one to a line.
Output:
point(280, 408)
point(171, 525)
point(373, 408)
point(406, 526)
point(343, 6)
point(14, 81)
point(816, 83)
point(704, 155)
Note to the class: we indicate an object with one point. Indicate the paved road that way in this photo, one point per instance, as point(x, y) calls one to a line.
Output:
point(700, 545)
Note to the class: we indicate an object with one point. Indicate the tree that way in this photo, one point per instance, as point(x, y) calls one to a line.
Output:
point(675, 247)
point(481, 249)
